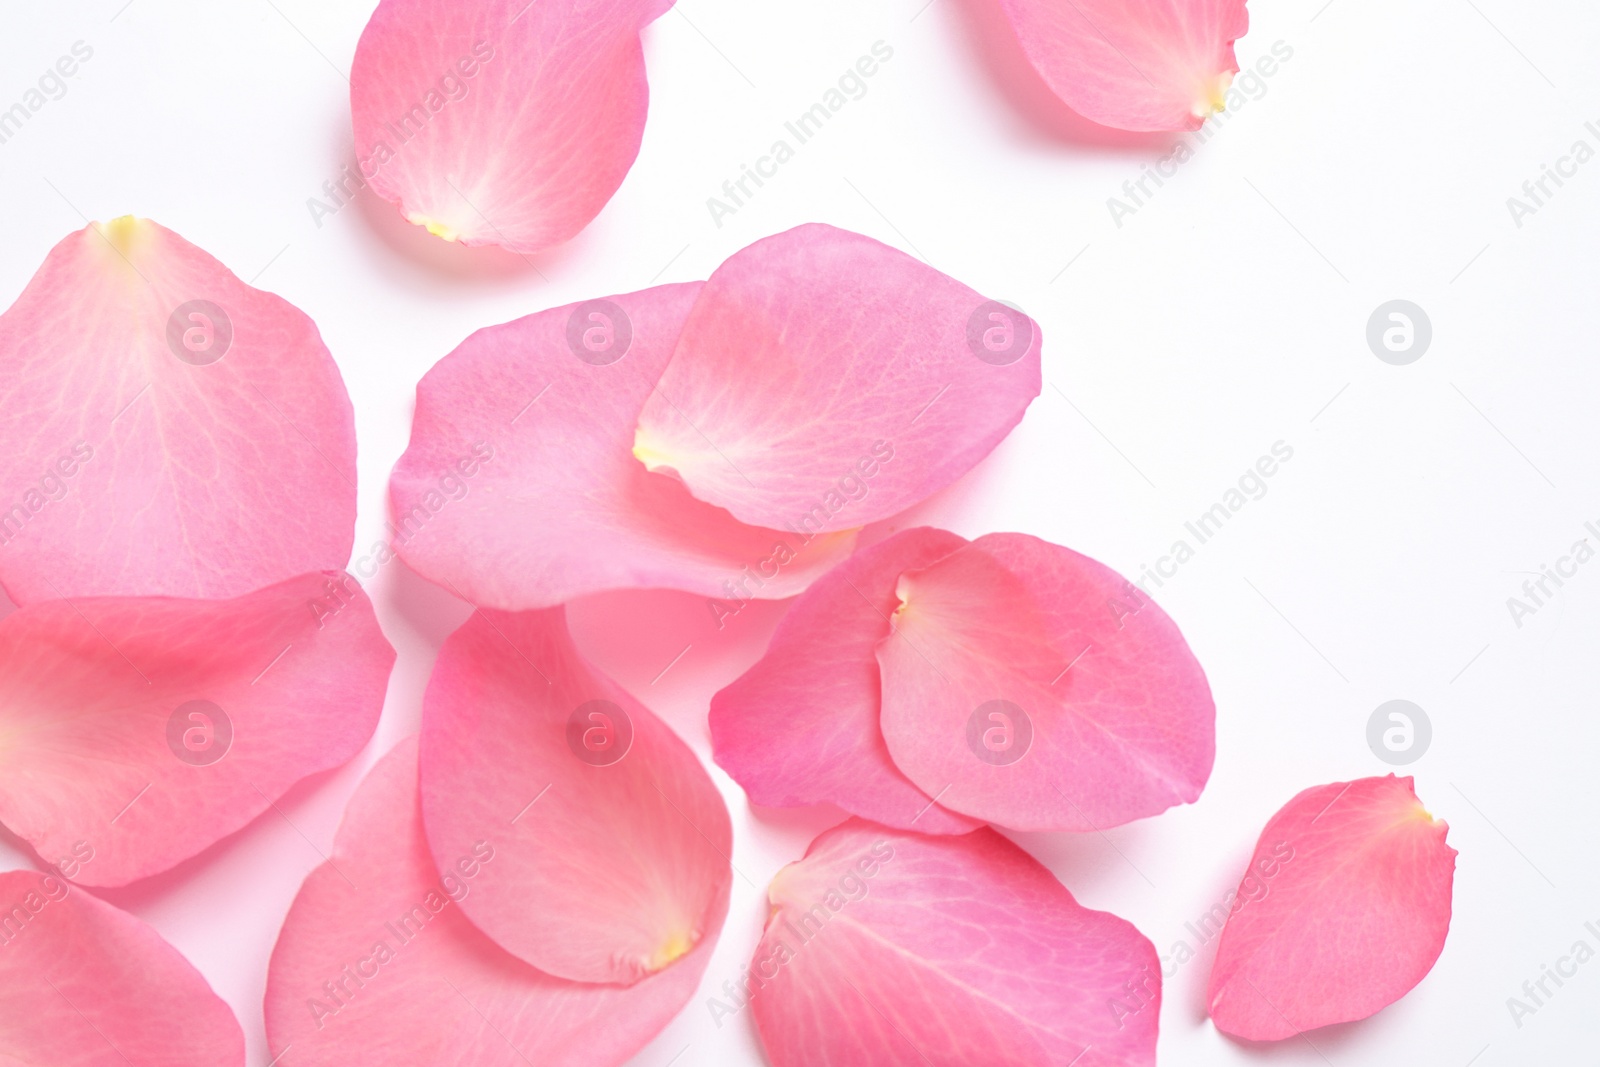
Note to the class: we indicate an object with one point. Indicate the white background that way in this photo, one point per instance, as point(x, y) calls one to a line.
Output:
point(1225, 315)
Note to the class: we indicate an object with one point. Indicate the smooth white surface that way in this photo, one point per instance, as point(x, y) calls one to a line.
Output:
point(1228, 313)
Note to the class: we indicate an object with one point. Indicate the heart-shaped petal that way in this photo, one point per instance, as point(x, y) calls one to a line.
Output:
point(1343, 909)
point(167, 429)
point(147, 729)
point(612, 843)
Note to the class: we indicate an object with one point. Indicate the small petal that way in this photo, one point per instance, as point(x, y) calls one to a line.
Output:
point(1343, 909)
point(1037, 689)
point(166, 430)
point(888, 949)
point(519, 489)
point(149, 728)
point(376, 965)
point(85, 984)
point(824, 381)
point(612, 843)
point(801, 726)
point(1151, 65)
point(501, 121)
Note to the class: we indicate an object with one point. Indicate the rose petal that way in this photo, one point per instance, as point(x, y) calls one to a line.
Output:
point(147, 729)
point(903, 950)
point(85, 984)
point(600, 815)
point(167, 430)
point(801, 726)
point(500, 121)
point(824, 381)
point(1152, 65)
point(1032, 687)
point(376, 966)
point(1352, 911)
point(518, 489)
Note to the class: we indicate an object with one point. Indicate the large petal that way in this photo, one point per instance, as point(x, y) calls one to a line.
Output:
point(824, 381)
point(500, 121)
point(888, 949)
point(1134, 64)
point(1344, 907)
point(612, 844)
point(1035, 688)
point(85, 984)
point(377, 965)
point(518, 489)
point(145, 729)
point(165, 429)
point(801, 726)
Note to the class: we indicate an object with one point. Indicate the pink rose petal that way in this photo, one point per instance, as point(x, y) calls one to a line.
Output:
point(1032, 687)
point(611, 843)
point(1145, 65)
point(801, 726)
point(376, 964)
point(824, 381)
point(144, 730)
point(167, 430)
point(500, 121)
point(518, 489)
point(1358, 880)
point(887, 949)
point(85, 984)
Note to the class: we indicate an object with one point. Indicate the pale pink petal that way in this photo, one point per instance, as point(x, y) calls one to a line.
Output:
point(1141, 65)
point(889, 949)
point(86, 985)
point(611, 843)
point(165, 429)
point(519, 490)
point(1037, 689)
point(500, 121)
point(143, 730)
point(1343, 909)
point(801, 726)
point(377, 966)
point(824, 381)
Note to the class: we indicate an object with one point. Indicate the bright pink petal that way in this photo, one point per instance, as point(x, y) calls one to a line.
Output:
point(1032, 687)
point(1344, 907)
point(824, 381)
point(612, 844)
point(146, 729)
point(518, 489)
point(1142, 65)
point(801, 726)
point(165, 430)
point(87, 985)
point(888, 949)
point(500, 121)
point(376, 964)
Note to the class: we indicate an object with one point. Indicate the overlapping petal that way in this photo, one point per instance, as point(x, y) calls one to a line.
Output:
point(801, 726)
point(501, 121)
point(1357, 882)
point(611, 842)
point(1032, 687)
point(138, 731)
point(824, 381)
point(377, 965)
point(889, 949)
point(86, 984)
point(167, 430)
point(519, 490)
point(1140, 65)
